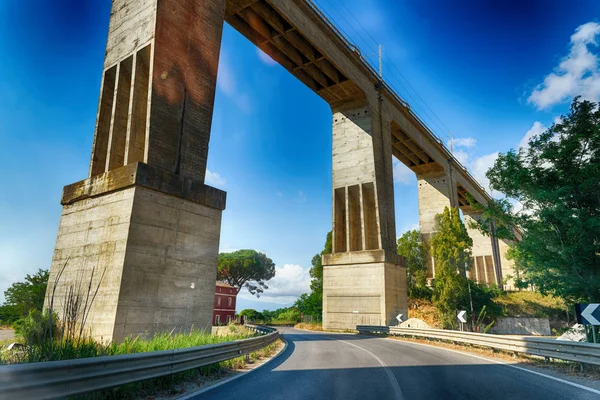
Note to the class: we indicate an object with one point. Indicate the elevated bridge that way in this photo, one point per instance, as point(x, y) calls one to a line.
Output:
point(145, 216)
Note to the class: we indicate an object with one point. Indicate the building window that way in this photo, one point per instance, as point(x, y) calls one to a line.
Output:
point(217, 319)
point(219, 301)
point(229, 302)
point(228, 318)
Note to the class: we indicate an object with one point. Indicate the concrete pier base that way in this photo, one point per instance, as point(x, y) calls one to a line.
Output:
point(150, 249)
point(365, 291)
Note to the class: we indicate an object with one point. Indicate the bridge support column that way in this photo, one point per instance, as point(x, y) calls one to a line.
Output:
point(509, 273)
point(144, 228)
point(486, 252)
point(364, 279)
point(436, 190)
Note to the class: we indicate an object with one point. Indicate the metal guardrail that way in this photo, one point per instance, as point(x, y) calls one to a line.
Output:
point(587, 353)
point(58, 379)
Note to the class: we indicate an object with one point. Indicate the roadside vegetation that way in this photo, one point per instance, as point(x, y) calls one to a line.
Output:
point(42, 336)
point(555, 181)
point(176, 384)
point(40, 346)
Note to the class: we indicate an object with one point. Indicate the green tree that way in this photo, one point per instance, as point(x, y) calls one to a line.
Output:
point(414, 250)
point(252, 315)
point(246, 268)
point(312, 304)
point(289, 315)
point(316, 272)
point(451, 250)
point(22, 297)
point(557, 180)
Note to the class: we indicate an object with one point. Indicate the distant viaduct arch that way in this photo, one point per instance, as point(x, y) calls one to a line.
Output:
point(146, 218)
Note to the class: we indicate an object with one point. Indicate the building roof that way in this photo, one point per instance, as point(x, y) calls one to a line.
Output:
point(223, 284)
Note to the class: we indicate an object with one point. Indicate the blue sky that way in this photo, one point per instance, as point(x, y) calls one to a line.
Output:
point(492, 72)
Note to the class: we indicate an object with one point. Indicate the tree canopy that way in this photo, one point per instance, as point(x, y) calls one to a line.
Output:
point(246, 268)
point(414, 250)
point(312, 304)
point(556, 178)
point(21, 297)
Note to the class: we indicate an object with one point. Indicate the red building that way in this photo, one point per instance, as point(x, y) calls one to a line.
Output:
point(224, 304)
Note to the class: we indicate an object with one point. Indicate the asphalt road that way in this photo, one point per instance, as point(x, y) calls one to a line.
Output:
point(345, 366)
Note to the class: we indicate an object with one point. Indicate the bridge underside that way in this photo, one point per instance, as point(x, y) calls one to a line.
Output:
point(270, 31)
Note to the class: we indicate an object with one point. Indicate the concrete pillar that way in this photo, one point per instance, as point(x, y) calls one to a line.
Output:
point(486, 253)
point(364, 281)
point(144, 228)
point(436, 190)
point(507, 266)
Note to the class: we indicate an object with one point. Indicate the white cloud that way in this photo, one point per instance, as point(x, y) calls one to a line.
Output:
point(403, 174)
point(462, 142)
point(265, 58)
point(480, 166)
point(577, 74)
point(535, 130)
point(289, 283)
point(213, 178)
point(227, 84)
point(461, 156)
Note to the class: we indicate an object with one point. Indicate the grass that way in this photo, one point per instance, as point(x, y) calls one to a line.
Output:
point(533, 305)
point(524, 304)
point(163, 341)
point(175, 384)
point(424, 310)
point(281, 323)
point(309, 326)
point(85, 348)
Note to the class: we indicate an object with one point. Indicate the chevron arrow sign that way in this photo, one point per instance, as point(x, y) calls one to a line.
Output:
point(588, 314)
point(461, 316)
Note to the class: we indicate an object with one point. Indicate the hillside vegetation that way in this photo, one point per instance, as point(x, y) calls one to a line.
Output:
point(514, 304)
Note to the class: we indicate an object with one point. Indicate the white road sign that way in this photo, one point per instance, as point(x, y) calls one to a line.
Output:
point(590, 314)
point(461, 316)
point(399, 318)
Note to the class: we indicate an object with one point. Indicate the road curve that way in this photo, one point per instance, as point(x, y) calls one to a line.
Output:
point(319, 365)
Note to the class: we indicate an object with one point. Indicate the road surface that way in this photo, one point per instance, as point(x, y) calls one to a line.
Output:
point(319, 365)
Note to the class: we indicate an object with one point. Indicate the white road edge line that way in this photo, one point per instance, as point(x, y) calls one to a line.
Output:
point(223, 382)
point(577, 385)
point(389, 373)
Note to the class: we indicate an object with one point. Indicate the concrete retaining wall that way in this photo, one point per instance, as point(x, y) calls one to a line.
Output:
point(522, 326)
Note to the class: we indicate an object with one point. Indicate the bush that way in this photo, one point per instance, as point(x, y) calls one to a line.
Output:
point(37, 328)
point(291, 314)
point(252, 315)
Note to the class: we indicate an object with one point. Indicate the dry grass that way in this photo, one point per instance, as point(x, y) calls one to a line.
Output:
point(309, 327)
point(534, 305)
point(197, 382)
point(424, 310)
point(514, 304)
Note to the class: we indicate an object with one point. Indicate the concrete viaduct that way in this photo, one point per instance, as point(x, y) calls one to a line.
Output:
point(147, 223)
